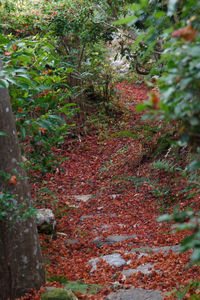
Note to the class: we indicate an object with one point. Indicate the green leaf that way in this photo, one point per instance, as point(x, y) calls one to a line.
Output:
point(159, 14)
point(188, 242)
point(24, 76)
point(143, 106)
point(140, 38)
point(194, 51)
point(3, 133)
point(184, 83)
point(45, 124)
point(195, 255)
point(4, 83)
point(126, 20)
point(23, 132)
point(185, 226)
point(58, 118)
point(194, 121)
point(195, 165)
point(11, 81)
point(124, 133)
point(164, 218)
point(135, 7)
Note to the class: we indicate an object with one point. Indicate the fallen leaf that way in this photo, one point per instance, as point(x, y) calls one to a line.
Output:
point(155, 100)
point(6, 53)
point(13, 180)
point(14, 47)
point(43, 130)
point(188, 33)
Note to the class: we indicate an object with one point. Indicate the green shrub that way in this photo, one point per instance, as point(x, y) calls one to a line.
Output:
point(176, 27)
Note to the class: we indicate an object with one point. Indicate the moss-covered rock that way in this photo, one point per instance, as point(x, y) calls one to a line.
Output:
point(83, 288)
point(58, 294)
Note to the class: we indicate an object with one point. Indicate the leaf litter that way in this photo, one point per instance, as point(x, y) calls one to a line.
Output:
point(95, 171)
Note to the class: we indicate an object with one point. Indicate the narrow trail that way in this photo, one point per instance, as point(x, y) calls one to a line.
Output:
point(100, 213)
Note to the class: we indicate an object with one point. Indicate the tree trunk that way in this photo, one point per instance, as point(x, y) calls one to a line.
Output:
point(20, 254)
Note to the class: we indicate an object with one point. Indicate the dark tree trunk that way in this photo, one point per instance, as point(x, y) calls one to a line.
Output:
point(20, 255)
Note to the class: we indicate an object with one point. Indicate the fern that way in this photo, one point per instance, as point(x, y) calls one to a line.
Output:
point(124, 133)
point(165, 165)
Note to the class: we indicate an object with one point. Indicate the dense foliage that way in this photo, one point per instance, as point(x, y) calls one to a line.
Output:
point(176, 27)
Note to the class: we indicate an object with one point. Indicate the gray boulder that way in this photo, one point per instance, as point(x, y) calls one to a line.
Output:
point(135, 294)
point(175, 249)
point(112, 259)
point(145, 269)
point(45, 221)
point(83, 198)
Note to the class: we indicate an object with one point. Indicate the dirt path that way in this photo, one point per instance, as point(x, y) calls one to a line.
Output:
point(106, 222)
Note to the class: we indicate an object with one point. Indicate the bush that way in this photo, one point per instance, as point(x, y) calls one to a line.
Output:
point(176, 27)
point(34, 73)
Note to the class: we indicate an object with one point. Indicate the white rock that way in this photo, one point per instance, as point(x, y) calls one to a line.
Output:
point(135, 294)
point(83, 198)
point(145, 269)
point(45, 216)
point(112, 259)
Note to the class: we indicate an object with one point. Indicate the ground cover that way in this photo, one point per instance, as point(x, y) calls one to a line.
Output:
point(107, 233)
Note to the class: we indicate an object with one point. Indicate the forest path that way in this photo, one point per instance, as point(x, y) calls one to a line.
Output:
point(106, 221)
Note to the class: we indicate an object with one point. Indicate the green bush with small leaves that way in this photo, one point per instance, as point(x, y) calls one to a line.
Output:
point(34, 73)
point(175, 25)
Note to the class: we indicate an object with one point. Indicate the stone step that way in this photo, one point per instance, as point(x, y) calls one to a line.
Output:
point(135, 294)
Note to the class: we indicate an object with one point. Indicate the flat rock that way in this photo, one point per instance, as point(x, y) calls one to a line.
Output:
point(86, 217)
point(135, 294)
point(175, 249)
point(145, 269)
point(70, 205)
point(83, 198)
point(106, 226)
point(71, 242)
point(112, 239)
point(112, 259)
point(113, 215)
point(119, 238)
point(99, 242)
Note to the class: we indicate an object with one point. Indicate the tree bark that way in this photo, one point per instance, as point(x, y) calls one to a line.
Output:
point(20, 254)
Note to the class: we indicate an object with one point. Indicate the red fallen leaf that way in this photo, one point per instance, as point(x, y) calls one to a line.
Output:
point(155, 100)
point(37, 109)
point(14, 47)
point(6, 53)
point(13, 180)
point(188, 33)
point(43, 130)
